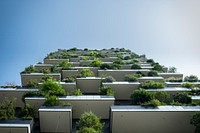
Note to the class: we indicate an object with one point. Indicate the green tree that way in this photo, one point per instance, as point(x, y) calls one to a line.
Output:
point(7, 109)
point(183, 98)
point(90, 120)
point(191, 78)
point(163, 97)
point(152, 85)
point(106, 90)
point(96, 62)
point(77, 92)
point(86, 73)
point(141, 96)
point(195, 120)
point(135, 66)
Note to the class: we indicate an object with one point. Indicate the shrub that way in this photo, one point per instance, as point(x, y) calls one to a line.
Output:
point(105, 66)
point(96, 62)
point(28, 112)
point(55, 69)
point(7, 109)
point(183, 98)
point(152, 85)
point(30, 69)
point(135, 66)
point(152, 73)
point(51, 101)
point(108, 78)
point(86, 73)
point(65, 65)
point(188, 85)
point(191, 78)
point(32, 83)
point(141, 96)
point(153, 103)
point(87, 130)
point(84, 58)
point(77, 92)
point(51, 87)
point(158, 67)
point(172, 70)
point(163, 97)
point(119, 61)
point(132, 77)
point(69, 79)
point(46, 71)
point(106, 90)
point(90, 120)
point(195, 120)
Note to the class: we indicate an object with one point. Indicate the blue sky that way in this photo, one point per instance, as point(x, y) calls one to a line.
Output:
point(167, 31)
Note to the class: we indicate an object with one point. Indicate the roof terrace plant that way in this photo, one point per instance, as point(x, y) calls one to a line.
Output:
point(30, 69)
point(96, 62)
point(152, 85)
point(135, 66)
point(132, 77)
point(106, 90)
point(141, 96)
point(191, 78)
point(86, 73)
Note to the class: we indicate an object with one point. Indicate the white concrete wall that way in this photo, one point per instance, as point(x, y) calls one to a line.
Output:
point(11, 93)
point(123, 90)
point(150, 121)
point(89, 84)
point(169, 75)
point(54, 61)
point(69, 73)
point(55, 120)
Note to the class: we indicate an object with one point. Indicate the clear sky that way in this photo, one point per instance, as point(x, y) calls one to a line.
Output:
point(166, 30)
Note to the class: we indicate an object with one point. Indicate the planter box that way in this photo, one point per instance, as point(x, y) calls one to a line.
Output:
point(41, 67)
point(169, 90)
point(156, 79)
point(99, 105)
point(178, 84)
point(163, 119)
point(119, 74)
point(85, 62)
point(54, 61)
point(75, 64)
point(123, 90)
point(108, 59)
point(74, 59)
point(14, 93)
point(89, 84)
point(68, 73)
point(170, 75)
point(16, 126)
point(55, 119)
point(25, 78)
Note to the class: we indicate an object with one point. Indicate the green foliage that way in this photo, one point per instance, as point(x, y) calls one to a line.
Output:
point(105, 66)
point(153, 73)
point(96, 62)
point(108, 78)
point(182, 97)
point(118, 61)
point(65, 65)
point(87, 130)
point(141, 96)
point(191, 78)
point(106, 90)
point(172, 70)
point(51, 101)
point(153, 103)
point(32, 83)
point(188, 85)
point(94, 53)
point(135, 66)
point(28, 112)
point(30, 69)
point(69, 79)
point(90, 120)
point(84, 58)
point(127, 57)
point(152, 85)
point(51, 87)
point(163, 97)
point(7, 109)
point(86, 73)
point(55, 69)
point(195, 120)
point(132, 77)
point(158, 67)
point(77, 92)
point(46, 71)
point(151, 61)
